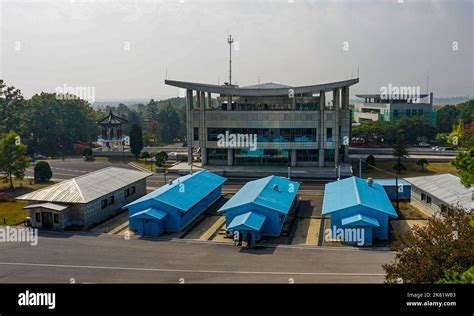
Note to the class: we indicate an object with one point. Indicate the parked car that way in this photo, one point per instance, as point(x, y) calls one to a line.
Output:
point(37, 156)
point(424, 144)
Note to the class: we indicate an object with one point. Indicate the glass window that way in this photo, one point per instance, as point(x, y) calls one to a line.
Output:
point(329, 134)
point(38, 217)
point(133, 190)
point(423, 196)
point(111, 200)
point(196, 133)
point(395, 113)
point(103, 203)
point(428, 199)
point(126, 192)
point(56, 218)
point(420, 112)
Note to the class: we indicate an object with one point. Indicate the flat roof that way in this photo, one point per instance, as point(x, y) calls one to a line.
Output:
point(269, 90)
point(404, 96)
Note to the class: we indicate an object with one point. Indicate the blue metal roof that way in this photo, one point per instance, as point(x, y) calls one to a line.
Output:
point(354, 191)
point(185, 192)
point(272, 192)
point(248, 221)
point(150, 213)
point(391, 182)
point(360, 220)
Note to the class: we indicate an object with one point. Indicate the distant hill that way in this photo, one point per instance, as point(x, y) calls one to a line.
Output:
point(133, 103)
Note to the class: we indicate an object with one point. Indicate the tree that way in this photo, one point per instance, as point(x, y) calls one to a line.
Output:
point(12, 110)
point(400, 149)
point(169, 122)
point(146, 155)
point(446, 117)
point(464, 163)
point(13, 158)
point(136, 140)
point(152, 110)
point(43, 172)
point(422, 162)
point(453, 277)
point(56, 124)
point(423, 255)
point(160, 158)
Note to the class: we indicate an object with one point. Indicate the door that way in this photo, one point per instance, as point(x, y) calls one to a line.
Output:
point(47, 220)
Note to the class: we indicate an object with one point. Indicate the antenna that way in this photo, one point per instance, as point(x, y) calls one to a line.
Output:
point(166, 74)
point(259, 82)
point(428, 82)
point(358, 71)
point(230, 40)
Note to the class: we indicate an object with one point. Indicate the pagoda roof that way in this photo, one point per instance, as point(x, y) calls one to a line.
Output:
point(111, 119)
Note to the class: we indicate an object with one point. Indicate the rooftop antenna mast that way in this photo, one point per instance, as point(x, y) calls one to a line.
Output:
point(230, 40)
point(428, 82)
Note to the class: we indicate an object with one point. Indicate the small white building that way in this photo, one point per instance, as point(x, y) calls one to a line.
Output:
point(86, 200)
point(438, 193)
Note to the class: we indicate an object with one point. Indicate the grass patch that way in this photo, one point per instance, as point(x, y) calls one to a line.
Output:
point(12, 213)
point(412, 169)
point(408, 211)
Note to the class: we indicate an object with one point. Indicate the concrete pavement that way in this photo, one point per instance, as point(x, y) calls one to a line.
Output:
point(63, 257)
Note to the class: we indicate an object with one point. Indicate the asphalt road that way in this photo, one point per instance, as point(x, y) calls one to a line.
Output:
point(74, 167)
point(63, 257)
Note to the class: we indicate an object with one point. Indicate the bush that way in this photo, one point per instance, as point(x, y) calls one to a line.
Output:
point(43, 172)
point(399, 167)
point(86, 151)
point(370, 160)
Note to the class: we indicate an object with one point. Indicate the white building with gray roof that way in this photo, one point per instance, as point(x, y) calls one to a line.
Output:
point(440, 192)
point(86, 200)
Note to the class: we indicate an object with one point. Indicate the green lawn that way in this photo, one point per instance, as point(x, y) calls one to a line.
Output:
point(12, 213)
point(412, 169)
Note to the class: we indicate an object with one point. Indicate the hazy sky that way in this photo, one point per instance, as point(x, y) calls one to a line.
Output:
point(46, 44)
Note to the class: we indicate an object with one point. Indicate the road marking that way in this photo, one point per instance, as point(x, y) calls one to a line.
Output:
point(186, 270)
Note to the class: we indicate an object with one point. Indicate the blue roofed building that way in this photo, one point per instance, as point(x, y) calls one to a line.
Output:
point(176, 204)
point(261, 207)
point(390, 185)
point(357, 203)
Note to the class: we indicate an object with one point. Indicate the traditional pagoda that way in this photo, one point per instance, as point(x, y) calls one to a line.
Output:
point(111, 137)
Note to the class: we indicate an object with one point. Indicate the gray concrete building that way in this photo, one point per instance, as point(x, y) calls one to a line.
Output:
point(293, 126)
point(438, 193)
point(378, 108)
point(86, 200)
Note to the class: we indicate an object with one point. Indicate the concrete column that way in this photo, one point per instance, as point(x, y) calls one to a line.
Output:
point(229, 103)
point(198, 100)
point(335, 95)
point(202, 106)
point(189, 138)
point(202, 122)
point(345, 98)
point(293, 102)
point(322, 103)
point(230, 157)
point(209, 100)
point(204, 155)
point(293, 157)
